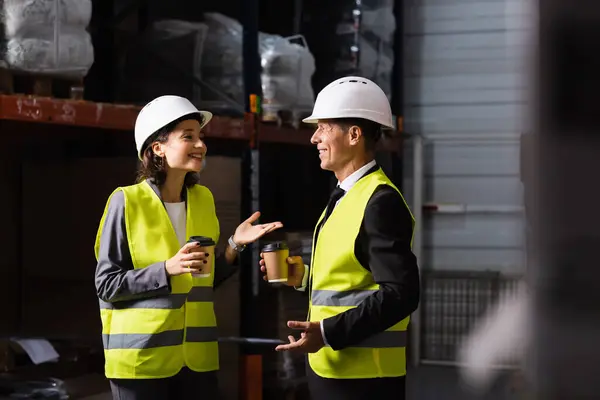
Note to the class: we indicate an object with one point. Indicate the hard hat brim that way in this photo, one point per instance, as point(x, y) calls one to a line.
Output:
point(310, 120)
point(206, 117)
point(315, 120)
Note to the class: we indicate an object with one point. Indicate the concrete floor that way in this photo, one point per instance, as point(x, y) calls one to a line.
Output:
point(443, 383)
point(428, 383)
point(434, 383)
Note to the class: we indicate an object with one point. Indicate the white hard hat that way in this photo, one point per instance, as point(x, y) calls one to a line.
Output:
point(159, 113)
point(352, 97)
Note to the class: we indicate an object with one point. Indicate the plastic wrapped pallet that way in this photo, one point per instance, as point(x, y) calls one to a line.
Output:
point(222, 65)
point(287, 66)
point(286, 74)
point(167, 58)
point(47, 36)
point(365, 36)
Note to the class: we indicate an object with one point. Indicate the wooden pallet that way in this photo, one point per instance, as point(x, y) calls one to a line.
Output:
point(43, 85)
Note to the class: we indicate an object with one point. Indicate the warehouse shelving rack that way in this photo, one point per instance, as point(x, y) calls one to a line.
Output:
point(25, 119)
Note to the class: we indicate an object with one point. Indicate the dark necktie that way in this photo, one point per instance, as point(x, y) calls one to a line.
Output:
point(336, 194)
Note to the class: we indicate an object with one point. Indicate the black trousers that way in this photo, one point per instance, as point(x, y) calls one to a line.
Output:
point(186, 385)
point(355, 389)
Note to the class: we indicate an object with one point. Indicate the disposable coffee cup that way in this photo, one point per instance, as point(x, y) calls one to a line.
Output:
point(275, 256)
point(207, 245)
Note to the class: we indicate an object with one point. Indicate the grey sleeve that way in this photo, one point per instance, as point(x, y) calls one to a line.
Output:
point(116, 279)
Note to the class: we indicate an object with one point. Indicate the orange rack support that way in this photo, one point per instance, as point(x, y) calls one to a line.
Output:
point(97, 115)
point(251, 380)
point(34, 109)
point(67, 112)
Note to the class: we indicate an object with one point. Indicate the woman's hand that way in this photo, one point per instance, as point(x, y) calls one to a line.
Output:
point(187, 259)
point(247, 233)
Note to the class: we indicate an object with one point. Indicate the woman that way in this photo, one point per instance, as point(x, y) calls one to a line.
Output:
point(158, 321)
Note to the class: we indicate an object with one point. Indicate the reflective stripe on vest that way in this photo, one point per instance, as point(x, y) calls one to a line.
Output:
point(154, 337)
point(353, 298)
point(166, 338)
point(340, 283)
point(172, 301)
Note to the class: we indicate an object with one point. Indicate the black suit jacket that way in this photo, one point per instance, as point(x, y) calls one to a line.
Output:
point(383, 247)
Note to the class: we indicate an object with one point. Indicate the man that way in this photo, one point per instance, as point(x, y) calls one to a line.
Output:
point(363, 281)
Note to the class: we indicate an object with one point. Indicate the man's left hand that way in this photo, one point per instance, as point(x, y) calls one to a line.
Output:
point(310, 341)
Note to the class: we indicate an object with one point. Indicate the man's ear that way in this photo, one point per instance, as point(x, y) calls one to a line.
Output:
point(355, 133)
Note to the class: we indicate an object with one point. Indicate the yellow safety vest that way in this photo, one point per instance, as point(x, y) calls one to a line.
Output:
point(340, 283)
point(155, 337)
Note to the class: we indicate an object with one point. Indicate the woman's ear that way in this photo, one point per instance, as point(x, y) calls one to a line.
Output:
point(157, 149)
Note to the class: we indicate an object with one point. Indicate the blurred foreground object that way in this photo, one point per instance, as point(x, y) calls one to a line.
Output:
point(500, 334)
point(567, 281)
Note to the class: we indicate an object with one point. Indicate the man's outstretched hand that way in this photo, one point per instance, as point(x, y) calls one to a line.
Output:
point(310, 341)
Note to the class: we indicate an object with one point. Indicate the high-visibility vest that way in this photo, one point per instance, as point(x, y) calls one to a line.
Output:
point(155, 337)
point(340, 283)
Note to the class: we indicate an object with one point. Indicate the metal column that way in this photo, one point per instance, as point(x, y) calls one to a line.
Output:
point(397, 102)
point(250, 167)
point(417, 209)
point(100, 82)
point(251, 384)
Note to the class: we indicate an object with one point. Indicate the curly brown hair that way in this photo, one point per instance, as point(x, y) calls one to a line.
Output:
point(152, 167)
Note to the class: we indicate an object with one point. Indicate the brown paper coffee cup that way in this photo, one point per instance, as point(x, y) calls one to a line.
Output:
point(207, 245)
point(275, 256)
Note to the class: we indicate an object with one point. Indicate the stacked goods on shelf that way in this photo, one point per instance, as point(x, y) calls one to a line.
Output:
point(222, 67)
point(204, 62)
point(364, 41)
point(287, 67)
point(46, 36)
point(166, 58)
point(287, 70)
